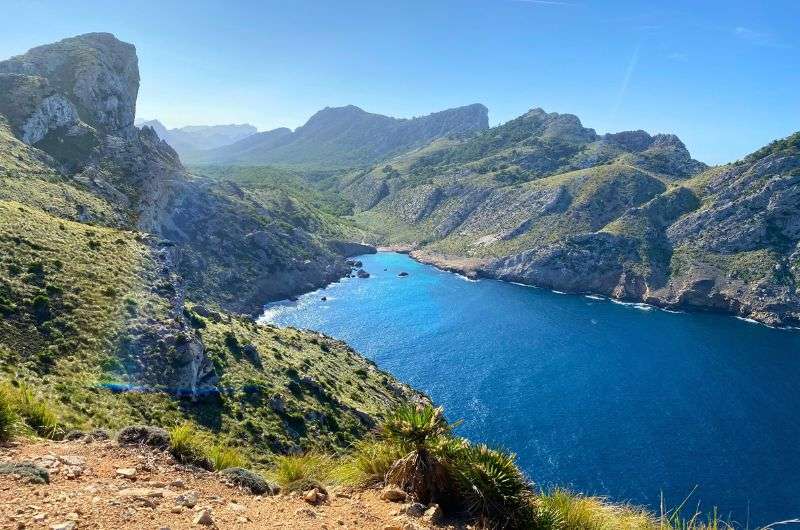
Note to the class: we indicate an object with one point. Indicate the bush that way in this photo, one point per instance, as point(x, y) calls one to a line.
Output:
point(420, 431)
point(493, 488)
point(9, 420)
point(155, 437)
point(41, 308)
point(575, 512)
point(250, 481)
point(301, 472)
point(36, 413)
point(27, 470)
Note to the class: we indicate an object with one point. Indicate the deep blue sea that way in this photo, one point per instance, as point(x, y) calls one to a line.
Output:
point(625, 401)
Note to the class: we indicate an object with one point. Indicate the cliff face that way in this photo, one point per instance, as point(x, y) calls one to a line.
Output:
point(345, 137)
point(546, 201)
point(69, 150)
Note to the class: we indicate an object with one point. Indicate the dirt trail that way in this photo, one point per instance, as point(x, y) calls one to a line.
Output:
point(104, 486)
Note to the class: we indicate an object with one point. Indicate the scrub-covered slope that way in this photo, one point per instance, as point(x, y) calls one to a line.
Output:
point(115, 264)
point(75, 101)
point(546, 201)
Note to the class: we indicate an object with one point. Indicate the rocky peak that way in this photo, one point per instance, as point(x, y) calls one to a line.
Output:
point(633, 141)
point(668, 141)
point(555, 126)
point(96, 73)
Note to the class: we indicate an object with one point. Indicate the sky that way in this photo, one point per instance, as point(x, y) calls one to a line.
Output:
point(722, 75)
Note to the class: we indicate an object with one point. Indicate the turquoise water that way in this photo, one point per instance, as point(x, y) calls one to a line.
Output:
point(619, 400)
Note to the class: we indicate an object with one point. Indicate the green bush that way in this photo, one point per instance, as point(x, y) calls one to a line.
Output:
point(41, 308)
point(27, 470)
point(189, 445)
point(493, 488)
point(420, 431)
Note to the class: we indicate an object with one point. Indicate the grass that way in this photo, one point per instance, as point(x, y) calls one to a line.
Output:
point(571, 511)
point(301, 472)
point(35, 412)
point(190, 445)
point(368, 463)
point(224, 456)
point(9, 420)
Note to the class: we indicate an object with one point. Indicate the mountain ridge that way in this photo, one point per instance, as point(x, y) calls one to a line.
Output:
point(343, 137)
point(192, 138)
point(543, 200)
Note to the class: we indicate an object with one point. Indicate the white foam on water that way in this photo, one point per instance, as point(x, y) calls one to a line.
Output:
point(465, 278)
point(594, 297)
point(558, 292)
point(635, 305)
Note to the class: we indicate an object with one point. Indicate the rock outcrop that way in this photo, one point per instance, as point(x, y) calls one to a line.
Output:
point(73, 104)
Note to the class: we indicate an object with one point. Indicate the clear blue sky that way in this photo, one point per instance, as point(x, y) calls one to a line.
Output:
point(724, 75)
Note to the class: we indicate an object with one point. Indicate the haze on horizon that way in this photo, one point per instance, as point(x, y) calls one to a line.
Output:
point(721, 76)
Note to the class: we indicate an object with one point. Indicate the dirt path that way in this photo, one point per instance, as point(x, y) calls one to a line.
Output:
point(89, 489)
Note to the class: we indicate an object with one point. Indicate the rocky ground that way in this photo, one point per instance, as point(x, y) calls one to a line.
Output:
point(99, 484)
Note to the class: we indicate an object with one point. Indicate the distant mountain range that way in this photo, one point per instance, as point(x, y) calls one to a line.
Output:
point(345, 137)
point(192, 138)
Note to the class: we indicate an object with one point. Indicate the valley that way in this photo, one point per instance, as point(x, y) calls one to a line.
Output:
point(136, 259)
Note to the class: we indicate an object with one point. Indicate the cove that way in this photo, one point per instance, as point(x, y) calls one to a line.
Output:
point(625, 401)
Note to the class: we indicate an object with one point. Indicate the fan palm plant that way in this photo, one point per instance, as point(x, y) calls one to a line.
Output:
point(493, 488)
point(419, 430)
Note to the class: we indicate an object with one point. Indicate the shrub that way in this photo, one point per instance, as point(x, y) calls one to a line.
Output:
point(250, 481)
point(301, 472)
point(41, 308)
point(415, 427)
point(420, 429)
point(27, 470)
point(224, 457)
point(155, 437)
point(493, 488)
point(232, 343)
point(36, 413)
point(188, 445)
point(8, 416)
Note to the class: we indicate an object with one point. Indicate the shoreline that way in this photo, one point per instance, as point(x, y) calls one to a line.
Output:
point(471, 269)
